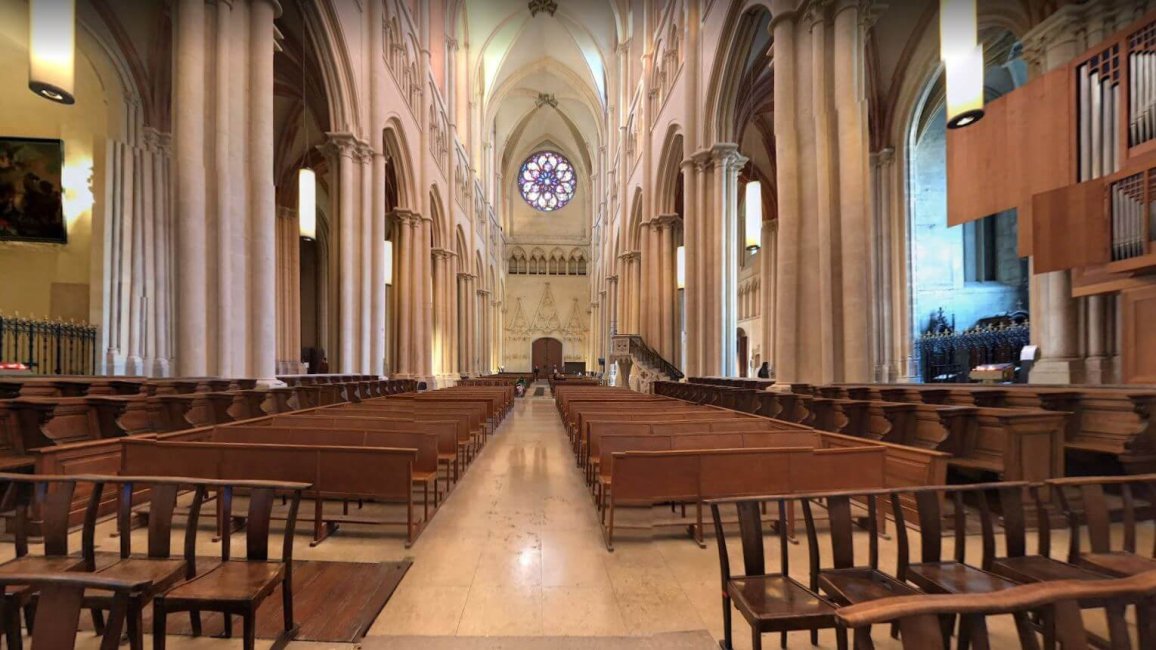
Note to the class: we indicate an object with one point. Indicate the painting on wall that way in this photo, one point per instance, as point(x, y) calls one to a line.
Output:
point(31, 195)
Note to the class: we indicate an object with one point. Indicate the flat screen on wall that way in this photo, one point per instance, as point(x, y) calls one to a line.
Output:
point(31, 195)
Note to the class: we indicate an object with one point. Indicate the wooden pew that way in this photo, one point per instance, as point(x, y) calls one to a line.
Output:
point(346, 473)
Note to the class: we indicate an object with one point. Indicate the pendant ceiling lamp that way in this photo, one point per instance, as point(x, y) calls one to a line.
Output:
point(962, 57)
point(753, 231)
point(680, 266)
point(388, 263)
point(306, 178)
point(52, 49)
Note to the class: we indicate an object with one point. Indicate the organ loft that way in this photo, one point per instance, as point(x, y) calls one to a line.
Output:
point(495, 324)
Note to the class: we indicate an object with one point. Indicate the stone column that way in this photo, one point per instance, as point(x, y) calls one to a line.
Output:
point(401, 282)
point(484, 330)
point(262, 210)
point(645, 290)
point(855, 234)
point(425, 294)
point(891, 343)
point(377, 86)
point(766, 299)
point(189, 129)
point(369, 248)
point(225, 163)
point(733, 163)
point(341, 147)
point(666, 284)
point(442, 326)
point(691, 294)
point(787, 185)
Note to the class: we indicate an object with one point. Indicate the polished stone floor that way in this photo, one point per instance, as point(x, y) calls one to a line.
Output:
point(516, 552)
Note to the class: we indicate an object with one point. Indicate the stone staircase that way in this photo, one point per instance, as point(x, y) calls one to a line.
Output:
point(638, 365)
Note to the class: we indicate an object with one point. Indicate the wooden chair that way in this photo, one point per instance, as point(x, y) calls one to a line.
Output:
point(1023, 567)
point(48, 498)
point(1084, 502)
point(238, 587)
point(770, 602)
point(932, 573)
point(157, 567)
point(61, 598)
point(845, 582)
point(918, 616)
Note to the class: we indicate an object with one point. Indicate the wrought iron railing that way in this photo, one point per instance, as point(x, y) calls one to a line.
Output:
point(948, 357)
point(48, 347)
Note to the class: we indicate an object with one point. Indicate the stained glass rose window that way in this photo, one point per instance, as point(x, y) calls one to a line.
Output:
point(547, 181)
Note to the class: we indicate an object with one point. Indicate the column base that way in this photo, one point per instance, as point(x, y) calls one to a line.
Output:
point(161, 368)
point(135, 365)
point(1100, 370)
point(1058, 371)
point(112, 364)
point(270, 382)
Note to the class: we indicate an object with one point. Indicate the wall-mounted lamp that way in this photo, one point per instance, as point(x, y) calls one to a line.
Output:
point(680, 267)
point(307, 203)
point(52, 49)
point(962, 57)
point(753, 235)
point(388, 263)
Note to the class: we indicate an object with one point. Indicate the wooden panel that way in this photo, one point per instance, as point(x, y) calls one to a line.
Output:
point(1014, 153)
point(1139, 345)
point(1071, 227)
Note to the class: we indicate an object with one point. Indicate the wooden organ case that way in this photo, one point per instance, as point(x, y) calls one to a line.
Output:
point(1086, 202)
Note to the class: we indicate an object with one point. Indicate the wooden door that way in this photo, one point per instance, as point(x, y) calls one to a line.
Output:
point(546, 354)
point(743, 354)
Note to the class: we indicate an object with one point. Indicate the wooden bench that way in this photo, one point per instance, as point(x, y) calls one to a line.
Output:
point(652, 477)
point(334, 472)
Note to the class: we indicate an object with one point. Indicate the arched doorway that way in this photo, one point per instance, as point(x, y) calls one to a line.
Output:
point(546, 353)
point(743, 353)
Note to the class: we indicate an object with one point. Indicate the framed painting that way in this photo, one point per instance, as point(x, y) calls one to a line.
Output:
point(31, 195)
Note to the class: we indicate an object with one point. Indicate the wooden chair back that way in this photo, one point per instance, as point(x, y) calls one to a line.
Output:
point(1085, 502)
point(59, 606)
point(162, 505)
point(42, 503)
point(258, 518)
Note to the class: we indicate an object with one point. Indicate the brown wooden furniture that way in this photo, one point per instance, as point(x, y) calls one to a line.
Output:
point(238, 587)
point(770, 602)
point(847, 581)
point(918, 616)
point(1085, 504)
point(42, 504)
point(61, 598)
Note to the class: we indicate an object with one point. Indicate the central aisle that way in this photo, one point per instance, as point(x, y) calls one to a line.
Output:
point(517, 551)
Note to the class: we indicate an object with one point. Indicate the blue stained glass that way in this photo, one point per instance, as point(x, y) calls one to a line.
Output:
point(547, 181)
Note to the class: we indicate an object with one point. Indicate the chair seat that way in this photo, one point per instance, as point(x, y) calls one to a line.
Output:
point(162, 573)
point(42, 564)
point(1038, 568)
point(424, 477)
point(232, 581)
point(769, 598)
point(1119, 564)
point(955, 578)
point(850, 586)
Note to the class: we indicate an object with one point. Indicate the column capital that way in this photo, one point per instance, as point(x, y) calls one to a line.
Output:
point(340, 144)
point(883, 157)
point(466, 276)
point(612, 279)
point(669, 220)
point(276, 7)
point(629, 256)
point(441, 253)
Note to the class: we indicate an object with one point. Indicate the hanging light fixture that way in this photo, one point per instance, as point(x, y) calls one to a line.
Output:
point(680, 267)
point(307, 203)
point(962, 57)
point(52, 49)
point(388, 263)
point(753, 235)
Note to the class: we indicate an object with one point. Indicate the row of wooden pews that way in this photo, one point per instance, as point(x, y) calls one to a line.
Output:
point(49, 414)
point(1012, 443)
point(1018, 432)
point(641, 450)
point(385, 458)
point(937, 582)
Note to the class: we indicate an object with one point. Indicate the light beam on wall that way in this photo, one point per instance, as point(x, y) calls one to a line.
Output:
point(388, 263)
point(307, 203)
point(680, 266)
point(753, 236)
point(52, 49)
point(962, 57)
point(76, 183)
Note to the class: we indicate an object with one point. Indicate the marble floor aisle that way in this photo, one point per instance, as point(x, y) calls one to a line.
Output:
point(516, 551)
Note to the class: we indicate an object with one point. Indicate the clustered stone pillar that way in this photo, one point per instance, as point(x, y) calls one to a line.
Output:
point(667, 296)
point(226, 248)
point(821, 313)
